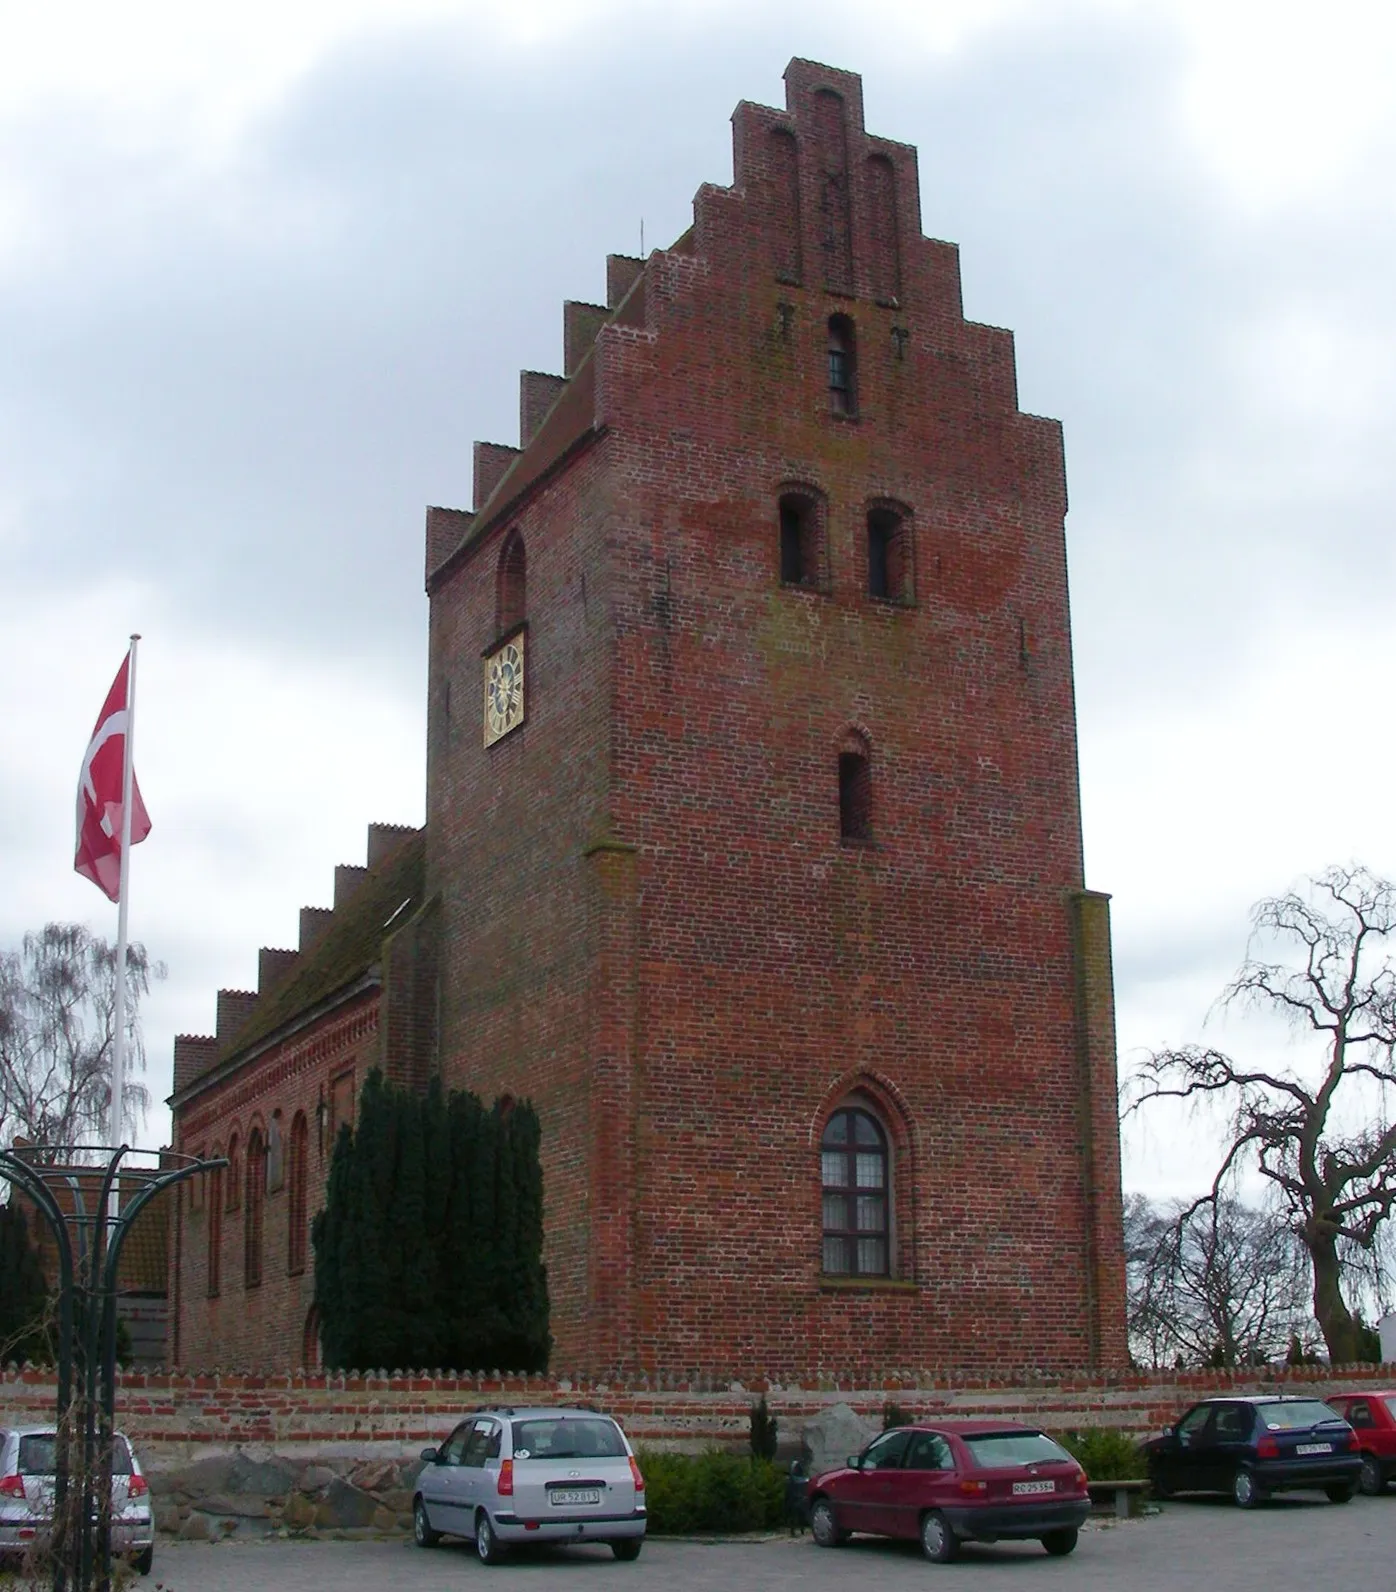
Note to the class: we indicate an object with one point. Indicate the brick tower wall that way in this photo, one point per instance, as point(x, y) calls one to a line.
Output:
point(778, 968)
point(509, 828)
point(649, 921)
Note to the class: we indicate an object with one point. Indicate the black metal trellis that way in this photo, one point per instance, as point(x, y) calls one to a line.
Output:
point(89, 1244)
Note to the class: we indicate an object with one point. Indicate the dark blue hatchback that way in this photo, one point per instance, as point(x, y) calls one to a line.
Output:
point(1252, 1447)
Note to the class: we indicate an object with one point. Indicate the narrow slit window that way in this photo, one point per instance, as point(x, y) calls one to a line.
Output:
point(511, 585)
point(843, 367)
point(855, 796)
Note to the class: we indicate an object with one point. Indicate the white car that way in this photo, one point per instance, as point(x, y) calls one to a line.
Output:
point(508, 1475)
point(26, 1496)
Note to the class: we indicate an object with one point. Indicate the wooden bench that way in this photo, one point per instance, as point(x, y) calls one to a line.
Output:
point(1120, 1491)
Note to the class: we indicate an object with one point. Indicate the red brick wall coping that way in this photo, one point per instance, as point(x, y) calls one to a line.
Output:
point(231, 1408)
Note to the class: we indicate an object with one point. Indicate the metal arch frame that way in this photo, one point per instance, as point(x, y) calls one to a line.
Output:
point(88, 1280)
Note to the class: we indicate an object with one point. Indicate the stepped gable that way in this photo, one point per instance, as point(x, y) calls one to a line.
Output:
point(837, 211)
point(345, 945)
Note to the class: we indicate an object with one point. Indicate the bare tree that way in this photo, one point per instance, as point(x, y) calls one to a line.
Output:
point(57, 1018)
point(1212, 1282)
point(1323, 1137)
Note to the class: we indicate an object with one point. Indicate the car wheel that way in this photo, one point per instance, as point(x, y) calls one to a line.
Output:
point(422, 1534)
point(487, 1545)
point(1338, 1492)
point(145, 1559)
point(1370, 1478)
point(627, 1549)
point(824, 1526)
point(1246, 1490)
point(1060, 1543)
point(938, 1542)
point(1158, 1485)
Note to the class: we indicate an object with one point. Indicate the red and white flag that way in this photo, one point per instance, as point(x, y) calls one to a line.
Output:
point(99, 794)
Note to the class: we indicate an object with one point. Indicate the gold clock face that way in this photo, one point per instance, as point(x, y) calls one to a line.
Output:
point(504, 690)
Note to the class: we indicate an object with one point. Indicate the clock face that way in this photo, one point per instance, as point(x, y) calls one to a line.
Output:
point(504, 690)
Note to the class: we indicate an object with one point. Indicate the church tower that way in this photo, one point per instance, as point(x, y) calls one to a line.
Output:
point(753, 812)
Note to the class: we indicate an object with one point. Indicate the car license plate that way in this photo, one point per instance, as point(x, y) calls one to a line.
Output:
point(1315, 1448)
point(1033, 1486)
point(574, 1495)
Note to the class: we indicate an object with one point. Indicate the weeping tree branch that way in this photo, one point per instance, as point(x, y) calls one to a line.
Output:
point(57, 1027)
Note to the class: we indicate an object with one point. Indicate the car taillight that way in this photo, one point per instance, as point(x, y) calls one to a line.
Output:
point(637, 1475)
point(972, 1488)
point(11, 1486)
point(139, 1487)
point(1080, 1479)
point(1267, 1448)
point(506, 1478)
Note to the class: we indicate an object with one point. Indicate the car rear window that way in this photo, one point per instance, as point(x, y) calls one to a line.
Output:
point(36, 1456)
point(1302, 1412)
point(568, 1437)
point(1013, 1448)
point(1390, 1402)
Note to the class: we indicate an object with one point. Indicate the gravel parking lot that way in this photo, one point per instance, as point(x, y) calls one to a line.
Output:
point(1292, 1543)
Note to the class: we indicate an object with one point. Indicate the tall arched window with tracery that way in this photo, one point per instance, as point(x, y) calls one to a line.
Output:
point(855, 1167)
point(254, 1208)
point(297, 1167)
point(511, 585)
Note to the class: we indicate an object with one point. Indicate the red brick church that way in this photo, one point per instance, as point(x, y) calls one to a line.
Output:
point(753, 843)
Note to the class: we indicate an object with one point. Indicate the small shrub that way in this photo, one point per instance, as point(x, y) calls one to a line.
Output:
point(895, 1415)
point(714, 1491)
point(764, 1431)
point(1105, 1453)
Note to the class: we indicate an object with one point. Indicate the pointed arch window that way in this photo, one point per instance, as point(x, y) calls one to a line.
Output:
point(255, 1209)
point(297, 1168)
point(215, 1229)
point(234, 1170)
point(854, 1172)
point(511, 585)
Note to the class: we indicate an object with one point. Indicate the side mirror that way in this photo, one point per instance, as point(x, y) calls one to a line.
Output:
point(855, 1462)
point(429, 1456)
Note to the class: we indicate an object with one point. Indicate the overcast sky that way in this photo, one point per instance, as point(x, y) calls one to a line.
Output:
point(267, 270)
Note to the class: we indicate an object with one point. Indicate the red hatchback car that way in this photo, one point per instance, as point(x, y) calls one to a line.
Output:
point(1372, 1417)
point(953, 1482)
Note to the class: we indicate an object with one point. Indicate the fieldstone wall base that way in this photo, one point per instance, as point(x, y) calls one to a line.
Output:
point(241, 1495)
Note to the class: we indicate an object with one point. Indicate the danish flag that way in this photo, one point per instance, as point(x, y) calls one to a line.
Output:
point(99, 793)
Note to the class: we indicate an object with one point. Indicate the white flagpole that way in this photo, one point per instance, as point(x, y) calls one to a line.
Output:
point(118, 1053)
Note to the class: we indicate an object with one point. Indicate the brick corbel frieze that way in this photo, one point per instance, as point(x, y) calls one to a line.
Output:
point(282, 1062)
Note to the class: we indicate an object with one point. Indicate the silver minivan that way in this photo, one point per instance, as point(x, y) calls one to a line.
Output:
point(27, 1470)
point(508, 1475)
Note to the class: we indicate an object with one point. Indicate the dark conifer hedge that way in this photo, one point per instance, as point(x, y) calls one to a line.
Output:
point(429, 1251)
point(23, 1296)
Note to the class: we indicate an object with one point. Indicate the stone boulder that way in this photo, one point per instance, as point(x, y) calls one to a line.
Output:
point(206, 1476)
point(343, 1507)
point(832, 1435)
point(244, 1506)
point(260, 1478)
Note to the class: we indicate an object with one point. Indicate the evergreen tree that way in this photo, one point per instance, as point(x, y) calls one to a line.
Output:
point(429, 1250)
point(23, 1296)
